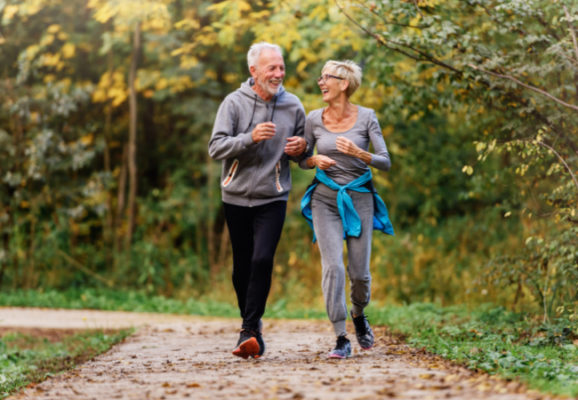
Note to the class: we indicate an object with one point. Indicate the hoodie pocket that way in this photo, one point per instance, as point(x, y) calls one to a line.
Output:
point(278, 177)
point(231, 174)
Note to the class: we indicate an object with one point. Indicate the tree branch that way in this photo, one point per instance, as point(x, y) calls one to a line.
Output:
point(380, 39)
point(530, 87)
point(417, 8)
point(561, 160)
point(428, 57)
point(424, 56)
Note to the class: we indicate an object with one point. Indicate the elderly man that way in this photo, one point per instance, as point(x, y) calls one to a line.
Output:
point(258, 128)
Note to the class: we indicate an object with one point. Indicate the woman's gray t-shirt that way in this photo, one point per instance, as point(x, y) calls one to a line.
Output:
point(365, 130)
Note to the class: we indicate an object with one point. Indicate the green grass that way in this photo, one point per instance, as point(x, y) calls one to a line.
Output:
point(26, 359)
point(488, 338)
point(115, 300)
point(494, 340)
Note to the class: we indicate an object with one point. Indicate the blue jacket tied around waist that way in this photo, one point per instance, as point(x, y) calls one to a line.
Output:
point(349, 216)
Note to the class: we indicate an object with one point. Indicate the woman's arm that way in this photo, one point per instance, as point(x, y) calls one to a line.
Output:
point(380, 159)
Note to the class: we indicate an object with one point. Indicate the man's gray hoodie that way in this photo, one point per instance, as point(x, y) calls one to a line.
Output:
point(255, 173)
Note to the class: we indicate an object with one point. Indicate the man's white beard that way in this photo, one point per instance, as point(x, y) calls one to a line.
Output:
point(267, 88)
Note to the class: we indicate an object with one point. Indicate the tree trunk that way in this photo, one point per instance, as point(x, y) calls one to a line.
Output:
point(121, 199)
point(224, 246)
point(213, 256)
point(109, 231)
point(132, 140)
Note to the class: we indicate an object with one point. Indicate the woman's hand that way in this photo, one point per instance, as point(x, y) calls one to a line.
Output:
point(346, 146)
point(320, 161)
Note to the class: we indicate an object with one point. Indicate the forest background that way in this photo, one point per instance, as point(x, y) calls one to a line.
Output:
point(106, 108)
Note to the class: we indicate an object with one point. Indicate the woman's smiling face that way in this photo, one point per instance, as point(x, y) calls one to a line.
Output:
point(331, 85)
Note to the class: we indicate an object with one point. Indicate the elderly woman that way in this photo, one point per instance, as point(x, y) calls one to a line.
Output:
point(341, 203)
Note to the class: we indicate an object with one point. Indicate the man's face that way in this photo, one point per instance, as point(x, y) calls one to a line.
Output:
point(268, 73)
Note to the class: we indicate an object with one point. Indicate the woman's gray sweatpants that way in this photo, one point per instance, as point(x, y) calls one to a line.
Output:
point(329, 232)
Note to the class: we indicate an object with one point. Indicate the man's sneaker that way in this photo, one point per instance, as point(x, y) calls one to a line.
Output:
point(363, 331)
point(261, 343)
point(342, 348)
point(248, 345)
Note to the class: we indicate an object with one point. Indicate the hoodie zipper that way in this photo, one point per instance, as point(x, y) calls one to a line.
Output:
point(261, 161)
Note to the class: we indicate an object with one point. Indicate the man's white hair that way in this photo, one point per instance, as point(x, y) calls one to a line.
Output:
point(256, 49)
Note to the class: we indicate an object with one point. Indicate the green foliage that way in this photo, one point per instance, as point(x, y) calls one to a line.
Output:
point(475, 99)
point(492, 339)
point(499, 75)
point(546, 267)
point(26, 359)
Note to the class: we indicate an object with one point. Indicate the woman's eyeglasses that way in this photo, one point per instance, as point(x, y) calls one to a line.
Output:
point(323, 78)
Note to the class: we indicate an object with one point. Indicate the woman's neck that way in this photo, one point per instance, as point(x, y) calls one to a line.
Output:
point(339, 110)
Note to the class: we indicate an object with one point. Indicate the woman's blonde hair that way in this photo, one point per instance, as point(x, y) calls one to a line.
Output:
point(348, 70)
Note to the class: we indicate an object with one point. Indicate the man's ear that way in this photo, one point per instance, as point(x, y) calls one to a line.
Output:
point(253, 70)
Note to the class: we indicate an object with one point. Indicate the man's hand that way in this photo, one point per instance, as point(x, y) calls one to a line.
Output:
point(295, 146)
point(263, 131)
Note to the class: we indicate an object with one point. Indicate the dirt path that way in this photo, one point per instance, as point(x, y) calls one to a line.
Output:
point(180, 357)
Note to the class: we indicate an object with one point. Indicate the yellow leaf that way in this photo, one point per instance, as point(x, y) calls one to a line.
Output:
point(87, 139)
point(9, 13)
point(161, 84)
point(182, 83)
point(118, 96)
point(50, 60)
point(187, 24)
point(99, 96)
point(68, 50)
point(415, 21)
point(210, 74)
point(387, 130)
point(47, 40)
point(244, 6)
point(188, 62)
point(53, 28)
point(302, 65)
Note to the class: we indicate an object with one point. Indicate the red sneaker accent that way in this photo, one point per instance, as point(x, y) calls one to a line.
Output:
point(249, 348)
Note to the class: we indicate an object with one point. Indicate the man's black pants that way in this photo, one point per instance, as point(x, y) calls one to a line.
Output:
point(254, 233)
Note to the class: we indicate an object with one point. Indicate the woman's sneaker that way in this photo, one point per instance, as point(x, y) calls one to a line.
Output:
point(342, 348)
point(363, 331)
point(248, 345)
